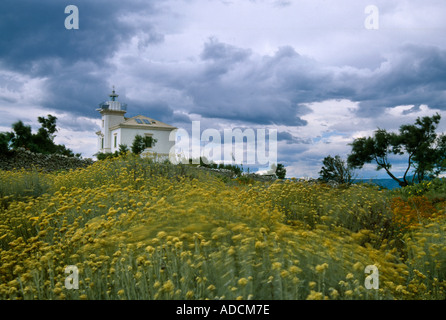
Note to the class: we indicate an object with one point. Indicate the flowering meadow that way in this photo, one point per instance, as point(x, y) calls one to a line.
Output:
point(136, 229)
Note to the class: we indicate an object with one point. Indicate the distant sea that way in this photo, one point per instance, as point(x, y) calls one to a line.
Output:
point(386, 183)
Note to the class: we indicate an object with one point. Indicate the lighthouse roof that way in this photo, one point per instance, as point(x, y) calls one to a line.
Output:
point(143, 122)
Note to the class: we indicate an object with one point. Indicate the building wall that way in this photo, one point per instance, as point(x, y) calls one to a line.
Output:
point(100, 143)
point(109, 121)
point(114, 147)
point(127, 135)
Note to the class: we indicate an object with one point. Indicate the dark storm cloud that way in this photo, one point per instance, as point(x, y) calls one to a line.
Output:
point(290, 139)
point(218, 51)
point(33, 31)
point(180, 119)
point(412, 75)
point(34, 41)
point(77, 88)
point(224, 81)
point(415, 75)
point(159, 110)
point(233, 83)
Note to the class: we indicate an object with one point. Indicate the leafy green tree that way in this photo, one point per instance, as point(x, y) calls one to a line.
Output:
point(21, 137)
point(121, 152)
point(44, 139)
point(5, 140)
point(280, 171)
point(336, 169)
point(41, 142)
point(140, 143)
point(48, 125)
point(424, 148)
point(441, 154)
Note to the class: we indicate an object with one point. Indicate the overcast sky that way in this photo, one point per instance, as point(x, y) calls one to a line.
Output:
point(314, 70)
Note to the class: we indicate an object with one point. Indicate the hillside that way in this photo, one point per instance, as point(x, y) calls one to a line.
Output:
point(141, 230)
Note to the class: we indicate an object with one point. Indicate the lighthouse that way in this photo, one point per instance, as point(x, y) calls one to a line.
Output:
point(117, 129)
point(112, 112)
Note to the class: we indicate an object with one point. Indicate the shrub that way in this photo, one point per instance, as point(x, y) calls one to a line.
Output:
point(104, 155)
point(411, 212)
point(280, 171)
point(140, 143)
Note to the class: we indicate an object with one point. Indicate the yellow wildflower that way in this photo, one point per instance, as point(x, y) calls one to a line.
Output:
point(321, 268)
point(242, 282)
point(168, 286)
point(189, 294)
point(315, 295)
point(358, 266)
point(276, 265)
point(211, 287)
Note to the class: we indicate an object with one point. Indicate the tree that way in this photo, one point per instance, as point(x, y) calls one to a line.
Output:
point(140, 143)
point(441, 154)
point(123, 149)
point(5, 140)
point(48, 125)
point(44, 139)
point(336, 169)
point(425, 150)
point(41, 142)
point(280, 171)
point(22, 136)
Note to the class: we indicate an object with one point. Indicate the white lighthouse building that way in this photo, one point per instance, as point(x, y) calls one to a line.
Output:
point(116, 129)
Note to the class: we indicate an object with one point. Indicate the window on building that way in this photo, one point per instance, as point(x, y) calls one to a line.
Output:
point(115, 140)
point(102, 143)
point(149, 140)
point(146, 121)
point(138, 121)
point(102, 123)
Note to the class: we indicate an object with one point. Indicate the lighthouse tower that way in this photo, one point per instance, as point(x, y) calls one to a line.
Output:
point(112, 112)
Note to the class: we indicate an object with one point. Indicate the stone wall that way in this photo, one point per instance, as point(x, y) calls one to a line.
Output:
point(230, 174)
point(26, 159)
point(223, 172)
point(260, 177)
